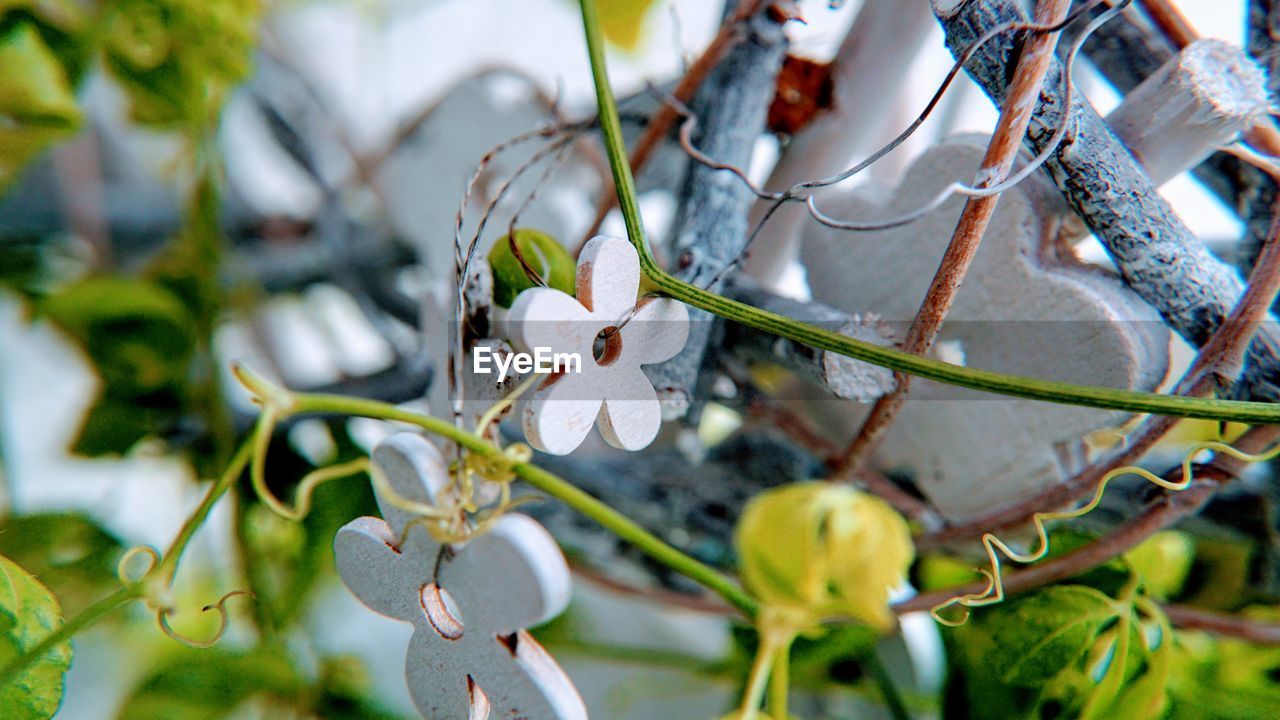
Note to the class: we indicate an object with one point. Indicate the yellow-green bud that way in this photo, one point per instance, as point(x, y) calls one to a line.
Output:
point(829, 550)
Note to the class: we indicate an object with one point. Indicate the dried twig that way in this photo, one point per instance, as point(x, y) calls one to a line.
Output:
point(1257, 632)
point(1015, 116)
point(710, 228)
point(1166, 16)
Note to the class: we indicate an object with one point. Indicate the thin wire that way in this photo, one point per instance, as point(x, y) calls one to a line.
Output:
point(959, 188)
point(462, 264)
point(793, 194)
point(551, 169)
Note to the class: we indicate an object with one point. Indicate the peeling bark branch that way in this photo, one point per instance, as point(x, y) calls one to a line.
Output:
point(1126, 52)
point(1157, 255)
point(1263, 39)
point(660, 125)
point(710, 230)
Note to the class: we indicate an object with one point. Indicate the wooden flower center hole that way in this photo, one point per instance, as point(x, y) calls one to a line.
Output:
point(441, 611)
point(607, 347)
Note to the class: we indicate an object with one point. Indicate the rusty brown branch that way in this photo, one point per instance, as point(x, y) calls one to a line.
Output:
point(1169, 20)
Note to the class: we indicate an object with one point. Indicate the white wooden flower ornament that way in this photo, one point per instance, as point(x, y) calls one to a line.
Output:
point(469, 657)
point(611, 388)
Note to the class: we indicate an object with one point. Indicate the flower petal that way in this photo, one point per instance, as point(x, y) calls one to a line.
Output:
point(631, 416)
point(559, 416)
point(608, 277)
point(656, 332)
point(546, 318)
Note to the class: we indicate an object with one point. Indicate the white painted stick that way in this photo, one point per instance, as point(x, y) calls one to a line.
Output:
point(866, 77)
point(1195, 103)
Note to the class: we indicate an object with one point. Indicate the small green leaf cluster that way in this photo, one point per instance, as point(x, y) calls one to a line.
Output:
point(140, 338)
point(1100, 646)
point(178, 58)
point(29, 613)
point(43, 47)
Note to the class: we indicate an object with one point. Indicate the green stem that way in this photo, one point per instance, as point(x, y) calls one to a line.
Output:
point(759, 678)
point(1013, 385)
point(165, 570)
point(611, 130)
point(547, 482)
point(888, 690)
point(780, 683)
point(69, 629)
point(169, 562)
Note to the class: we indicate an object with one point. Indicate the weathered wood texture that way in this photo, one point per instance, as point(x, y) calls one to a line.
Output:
point(710, 229)
point(1125, 51)
point(1196, 102)
point(612, 336)
point(841, 376)
point(1263, 39)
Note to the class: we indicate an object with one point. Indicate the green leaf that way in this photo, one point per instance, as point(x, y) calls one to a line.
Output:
point(74, 557)
point(1223, 679)
point(345, 692)
point(37, 105)
point(1163, 562)
point(28, 614)
point(546, 257)
point(1146, 697)
point(140, 338)
point(211, 684)
point(623, 20)
point(138, 334)
point(1039, 636)
point(1109, 578)
point(1220, 572)
point(972, 692)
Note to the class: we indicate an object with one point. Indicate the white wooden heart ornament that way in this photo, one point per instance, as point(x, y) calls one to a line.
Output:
point(611, 388)
point(1016, 312)
point(469, 657)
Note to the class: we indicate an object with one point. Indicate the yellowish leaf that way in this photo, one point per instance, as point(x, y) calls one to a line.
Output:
point(623, 21)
